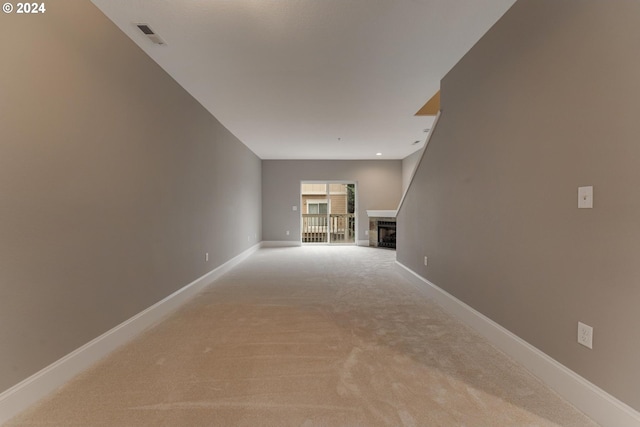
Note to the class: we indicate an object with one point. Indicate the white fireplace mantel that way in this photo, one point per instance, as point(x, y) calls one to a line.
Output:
point(381, 214)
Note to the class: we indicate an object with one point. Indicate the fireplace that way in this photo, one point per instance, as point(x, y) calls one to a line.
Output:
point(382, 228)
point(387, 234)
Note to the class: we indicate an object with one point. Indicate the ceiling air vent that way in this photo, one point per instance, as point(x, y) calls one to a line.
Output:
point(146, 29)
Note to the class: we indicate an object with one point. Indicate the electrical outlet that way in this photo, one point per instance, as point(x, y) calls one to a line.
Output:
point(585, 335)
point(287, 232)
point(206, 256)
point(426, 260)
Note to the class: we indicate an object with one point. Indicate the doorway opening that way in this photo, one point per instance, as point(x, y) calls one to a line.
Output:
point(328, 212)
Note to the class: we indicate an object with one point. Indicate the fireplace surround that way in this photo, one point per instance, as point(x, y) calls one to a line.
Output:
point(382, 229)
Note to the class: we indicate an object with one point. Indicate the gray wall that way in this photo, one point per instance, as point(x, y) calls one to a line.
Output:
point(114, 183)
point(379, 187)
point(547, 101)
point(409, 164)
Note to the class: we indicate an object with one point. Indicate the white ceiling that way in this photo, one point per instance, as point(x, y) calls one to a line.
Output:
point(312, 79)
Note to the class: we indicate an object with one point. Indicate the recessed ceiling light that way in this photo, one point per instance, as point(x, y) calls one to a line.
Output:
point(378, 154)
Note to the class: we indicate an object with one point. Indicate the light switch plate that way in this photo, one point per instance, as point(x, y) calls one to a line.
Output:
point(294, 208)
point(585, 197)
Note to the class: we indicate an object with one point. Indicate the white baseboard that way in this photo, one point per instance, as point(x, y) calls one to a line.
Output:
point(31, 390)
point(291, 243)
point(280, 243)
point(596, 403)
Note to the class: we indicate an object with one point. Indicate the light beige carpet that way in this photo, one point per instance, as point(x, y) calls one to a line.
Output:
point(311, 336)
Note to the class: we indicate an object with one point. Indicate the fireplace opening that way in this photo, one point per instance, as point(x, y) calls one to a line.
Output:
point(387, 234)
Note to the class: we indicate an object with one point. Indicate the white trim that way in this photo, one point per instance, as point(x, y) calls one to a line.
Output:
point(279, 243)
point(363, 243)
point(29, 391)
point(381, 213)
point(603, 408)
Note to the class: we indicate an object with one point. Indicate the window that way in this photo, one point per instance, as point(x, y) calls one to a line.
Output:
point(317, 207)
